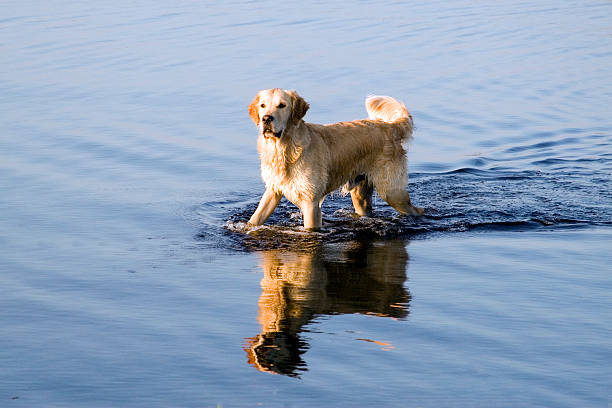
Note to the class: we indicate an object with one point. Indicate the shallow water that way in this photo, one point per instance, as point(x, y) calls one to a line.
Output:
point(128, 168)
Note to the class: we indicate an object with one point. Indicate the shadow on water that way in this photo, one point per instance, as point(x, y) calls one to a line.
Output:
point(298, 286)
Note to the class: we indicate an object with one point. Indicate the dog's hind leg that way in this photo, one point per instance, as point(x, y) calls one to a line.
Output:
point(400, 200)
point(361, 195)
point(390, 180)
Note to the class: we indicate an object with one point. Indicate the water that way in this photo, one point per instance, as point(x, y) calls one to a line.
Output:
point(128, 168)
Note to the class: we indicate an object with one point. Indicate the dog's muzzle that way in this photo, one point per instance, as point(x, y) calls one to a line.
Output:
point(268, 127)
point(268, 131)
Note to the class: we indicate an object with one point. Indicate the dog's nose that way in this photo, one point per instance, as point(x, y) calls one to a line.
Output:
point(267, 118)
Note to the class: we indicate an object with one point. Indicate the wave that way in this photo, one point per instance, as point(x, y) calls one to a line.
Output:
point(458, 201)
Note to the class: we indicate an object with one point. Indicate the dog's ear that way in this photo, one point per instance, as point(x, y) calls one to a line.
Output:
point(254, 110)
point(299, 107)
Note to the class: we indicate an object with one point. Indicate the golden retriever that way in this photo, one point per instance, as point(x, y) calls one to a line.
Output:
point(305, 162)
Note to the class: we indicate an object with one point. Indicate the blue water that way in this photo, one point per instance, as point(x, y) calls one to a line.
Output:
point(128, 167)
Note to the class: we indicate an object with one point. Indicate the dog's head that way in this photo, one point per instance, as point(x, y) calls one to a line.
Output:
point(276, 110)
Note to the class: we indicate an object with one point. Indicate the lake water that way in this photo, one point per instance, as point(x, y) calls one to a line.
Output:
point(128, 166)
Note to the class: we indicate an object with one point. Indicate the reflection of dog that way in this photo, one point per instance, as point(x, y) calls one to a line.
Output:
point(296, 287)
point(305, 162)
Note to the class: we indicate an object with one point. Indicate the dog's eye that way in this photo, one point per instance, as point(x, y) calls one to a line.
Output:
point(281, 105)
point(263, 105)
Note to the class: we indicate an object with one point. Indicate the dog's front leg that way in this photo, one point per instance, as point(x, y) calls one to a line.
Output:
point(268, 203)
point(311, 212)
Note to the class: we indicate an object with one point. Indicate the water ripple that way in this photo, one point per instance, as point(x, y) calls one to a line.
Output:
point(465, 199)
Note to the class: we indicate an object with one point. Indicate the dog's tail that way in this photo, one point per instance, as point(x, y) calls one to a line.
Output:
point(389, 110)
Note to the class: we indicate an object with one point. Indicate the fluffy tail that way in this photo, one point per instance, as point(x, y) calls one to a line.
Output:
point(389, 110)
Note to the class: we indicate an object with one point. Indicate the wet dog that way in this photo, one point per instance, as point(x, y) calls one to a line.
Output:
point(305, 162)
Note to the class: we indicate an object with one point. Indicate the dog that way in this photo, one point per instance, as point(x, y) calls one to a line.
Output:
point(305, 161)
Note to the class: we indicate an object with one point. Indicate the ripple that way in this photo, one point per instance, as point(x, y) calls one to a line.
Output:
point(465, 199)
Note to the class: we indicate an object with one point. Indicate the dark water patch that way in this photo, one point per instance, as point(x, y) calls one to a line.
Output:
point(541, 145)
point(465, 199)
point(478, 173)
point(566, 145)
point(284, 230)
point(566, 162)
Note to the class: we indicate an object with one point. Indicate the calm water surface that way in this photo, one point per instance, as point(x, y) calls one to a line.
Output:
point(128, 168)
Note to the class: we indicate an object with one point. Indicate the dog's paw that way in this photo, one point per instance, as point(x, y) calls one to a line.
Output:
point(239, 226)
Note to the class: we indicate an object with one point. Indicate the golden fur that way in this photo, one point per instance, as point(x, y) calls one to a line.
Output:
point(305, 162)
